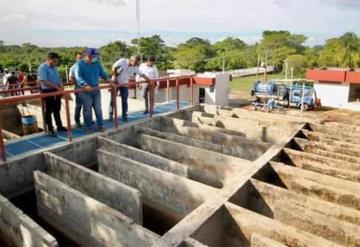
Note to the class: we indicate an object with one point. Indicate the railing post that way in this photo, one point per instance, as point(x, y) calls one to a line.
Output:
point(151, 98)
point(68, 119)
point(114, 90)
point(43, 114)
point(177, 95)
point(2, 144)
point(191, 89)
point(168, 90)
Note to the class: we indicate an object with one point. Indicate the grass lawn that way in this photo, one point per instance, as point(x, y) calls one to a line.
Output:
point(243, 85)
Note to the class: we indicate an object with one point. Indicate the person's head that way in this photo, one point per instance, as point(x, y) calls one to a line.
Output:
point(6, 71)
point(53, 59)
point(91, 55)
point(150, 61)
point(13, 73)
point(79, 56)
point(134, 61)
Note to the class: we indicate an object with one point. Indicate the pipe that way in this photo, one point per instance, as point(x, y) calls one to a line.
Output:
point(2, 145)
point(68, 119)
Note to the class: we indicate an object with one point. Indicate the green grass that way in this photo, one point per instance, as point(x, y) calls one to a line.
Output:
point(244, 85)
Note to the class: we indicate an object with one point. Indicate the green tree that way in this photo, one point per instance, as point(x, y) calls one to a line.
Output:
point(276, 46)
point(299, 63)
point(350, 49)
point(193, 54)
point(154, 46)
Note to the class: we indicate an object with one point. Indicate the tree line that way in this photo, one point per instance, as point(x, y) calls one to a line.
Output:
point(276, 48)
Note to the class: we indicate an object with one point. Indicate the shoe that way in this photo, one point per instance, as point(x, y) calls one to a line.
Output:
point(146, 112)
point(62, 129)
point(79, 125)
point(125, 118)
point(89, 131)
point(101, 129)
point(52, 133)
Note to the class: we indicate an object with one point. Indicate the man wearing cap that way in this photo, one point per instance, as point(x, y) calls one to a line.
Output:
point(87, 74)
point(122, 70)
point(50, 80)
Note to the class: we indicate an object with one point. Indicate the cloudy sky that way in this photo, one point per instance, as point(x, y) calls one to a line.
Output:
point(96, 22)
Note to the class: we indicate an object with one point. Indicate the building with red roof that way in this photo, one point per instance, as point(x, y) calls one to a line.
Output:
point(337, 87)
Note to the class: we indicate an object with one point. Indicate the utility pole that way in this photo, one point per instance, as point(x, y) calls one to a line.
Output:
point(138, 27)
point(223, 61)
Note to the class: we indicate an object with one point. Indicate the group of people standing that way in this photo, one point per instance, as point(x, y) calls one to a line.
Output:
point(86, 74)
point(17, 80)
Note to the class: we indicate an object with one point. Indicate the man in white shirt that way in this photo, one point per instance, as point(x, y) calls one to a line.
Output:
point(72, 79)
point(122, 70)
point(148, 68)
point(7, 74)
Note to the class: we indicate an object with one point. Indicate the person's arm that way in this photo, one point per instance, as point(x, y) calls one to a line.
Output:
point(157, 76)
point(80, 81)
point(103, 74)
point(72, 78)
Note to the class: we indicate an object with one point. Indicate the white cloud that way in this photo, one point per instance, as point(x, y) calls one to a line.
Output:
point(245, 18)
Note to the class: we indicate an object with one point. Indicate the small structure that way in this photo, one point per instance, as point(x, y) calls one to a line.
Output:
point(337, 87)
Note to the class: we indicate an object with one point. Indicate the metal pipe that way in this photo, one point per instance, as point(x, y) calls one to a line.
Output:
point(168, 90)
point(68, 119)
point(115, 109)
point(191, 90)
point(151, 98)
point(2, 145)
point(177, 95)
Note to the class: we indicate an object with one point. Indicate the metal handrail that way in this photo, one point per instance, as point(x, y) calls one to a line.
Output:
point(113, 87)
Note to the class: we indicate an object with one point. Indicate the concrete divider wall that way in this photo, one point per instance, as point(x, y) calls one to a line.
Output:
point(85, 220)
point(254, 129)
point(17, 229)
point(205, 166)
point(172, 195)
point(229, 144)
point(112, 193)
point(16, 176)
point(143, 157)
point(82, 152)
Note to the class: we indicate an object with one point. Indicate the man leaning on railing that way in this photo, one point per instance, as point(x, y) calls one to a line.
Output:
point(87, 74)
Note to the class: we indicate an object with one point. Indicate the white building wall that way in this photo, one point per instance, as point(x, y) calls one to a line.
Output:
point(333, 95)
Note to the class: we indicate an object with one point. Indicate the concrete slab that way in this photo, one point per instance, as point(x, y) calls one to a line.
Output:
point(323, 165)
point(94, 225)
point(112, 193)
point(250, 223)
point(204, 166)
point(143, 157)
point(171, 195)
point(229, 144)
point(17, 229)
point(258, 240)
point(331, 189)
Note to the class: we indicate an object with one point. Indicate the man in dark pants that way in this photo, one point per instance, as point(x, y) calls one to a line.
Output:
point(78, 103)
point(122, 70)
point(50, 80)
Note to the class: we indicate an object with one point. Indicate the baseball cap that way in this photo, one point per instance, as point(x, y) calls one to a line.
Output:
point(92, 52)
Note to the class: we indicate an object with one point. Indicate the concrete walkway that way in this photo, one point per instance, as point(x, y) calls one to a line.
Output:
point(39, 141)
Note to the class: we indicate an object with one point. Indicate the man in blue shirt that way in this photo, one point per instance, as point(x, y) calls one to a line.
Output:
point(50, 80)
point(87, 74)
